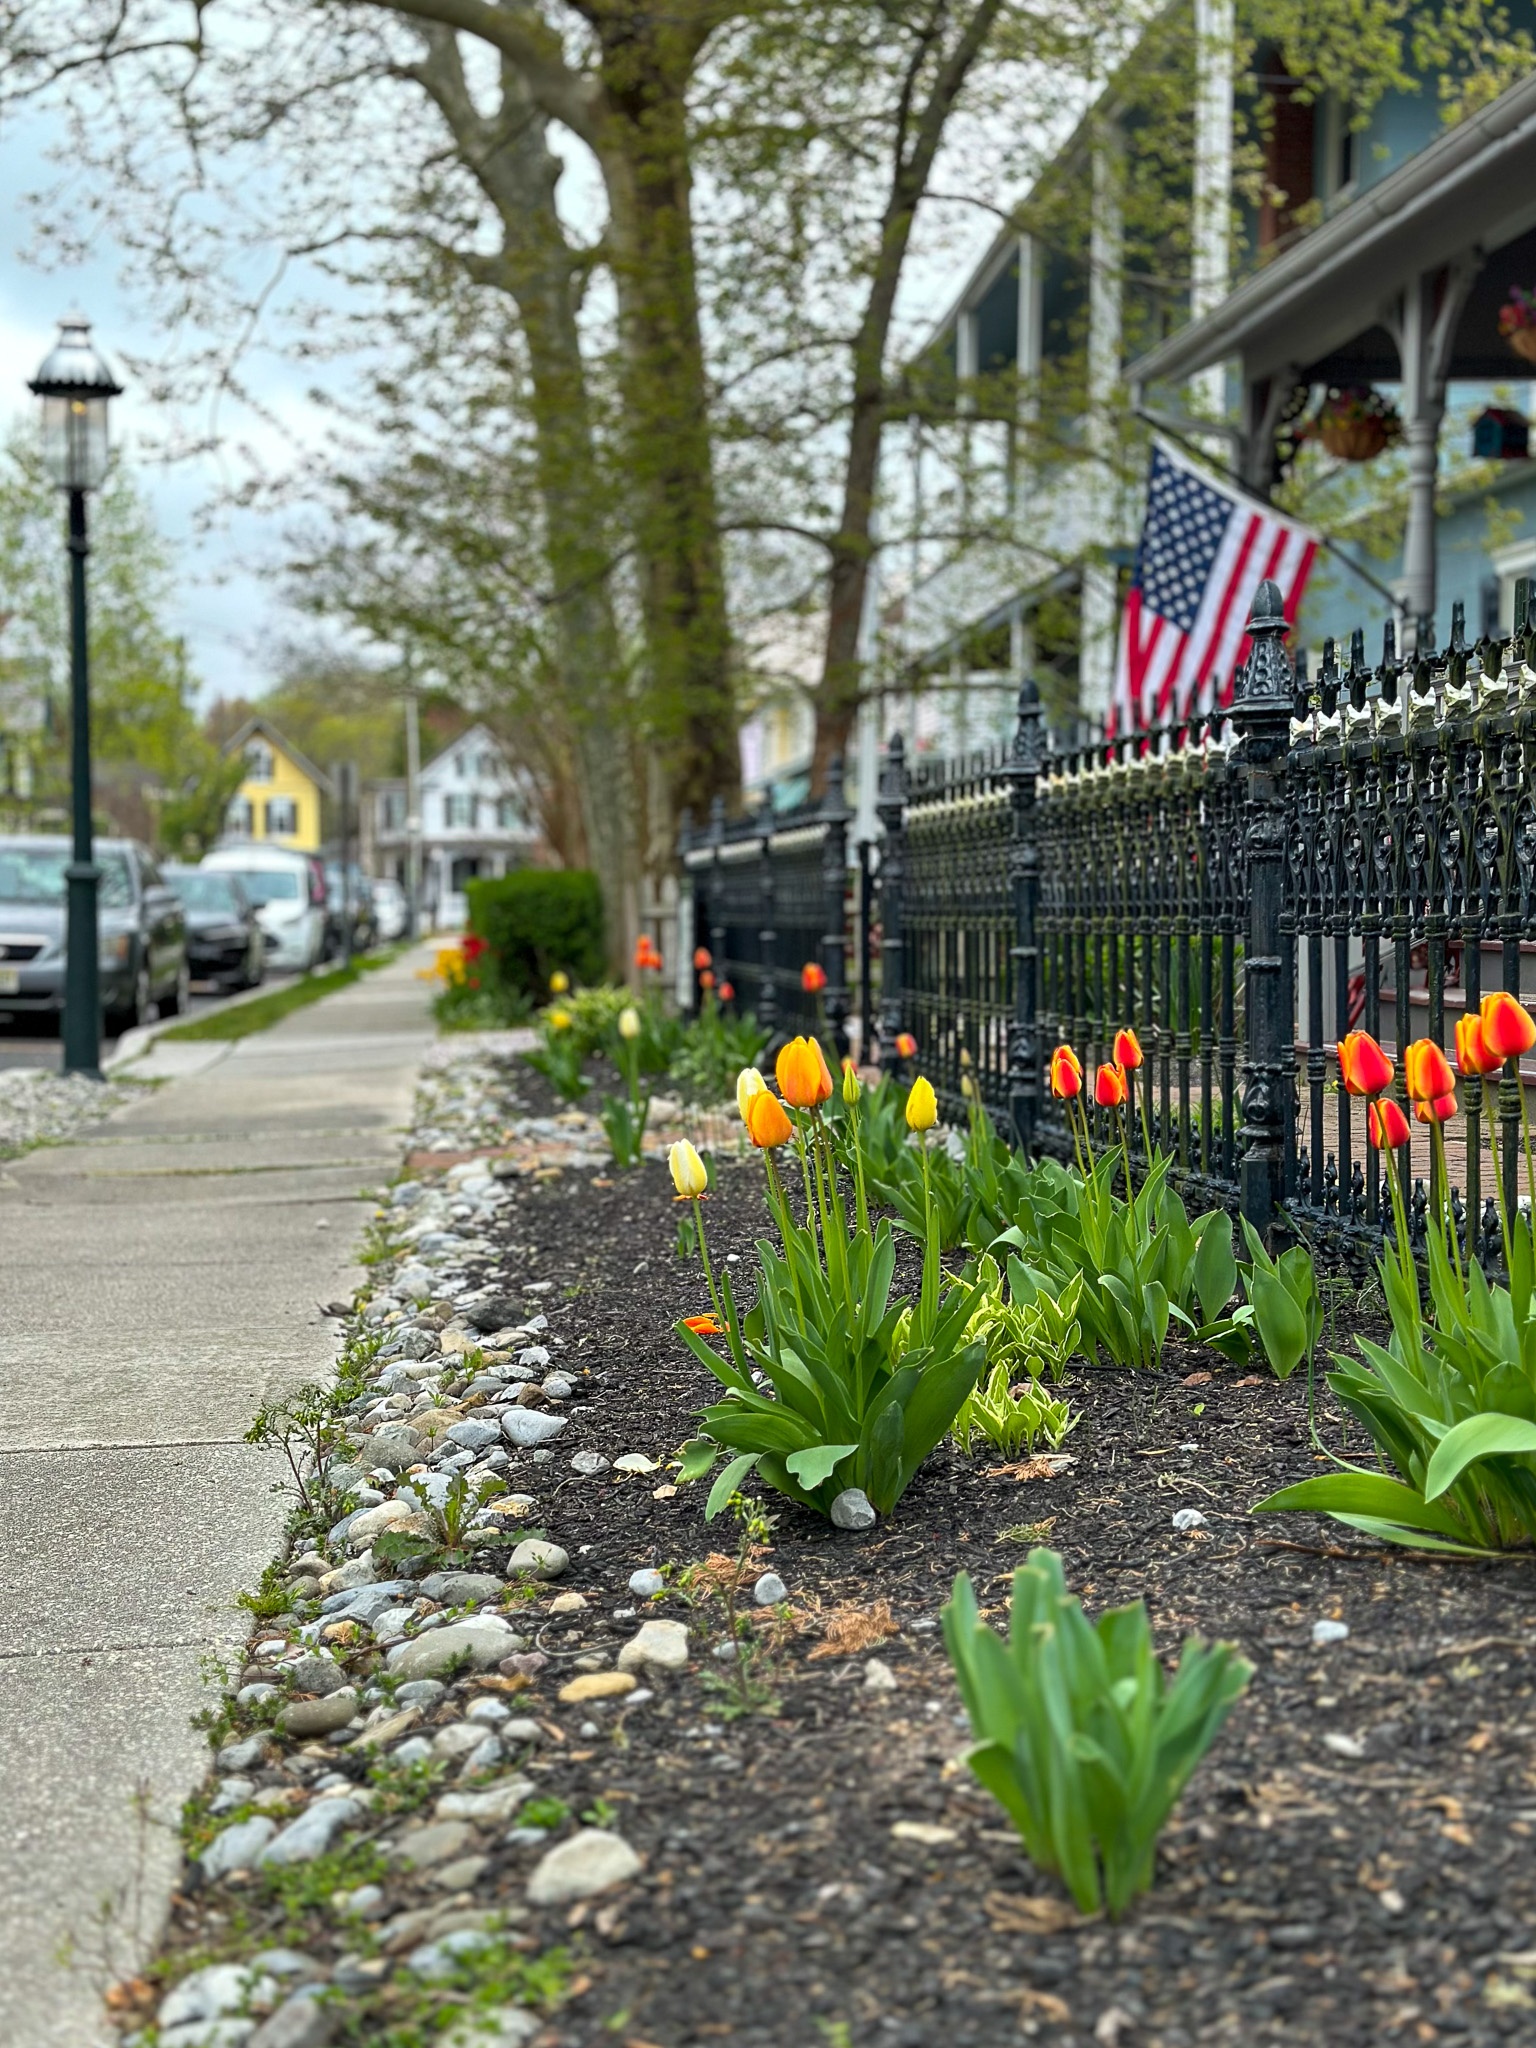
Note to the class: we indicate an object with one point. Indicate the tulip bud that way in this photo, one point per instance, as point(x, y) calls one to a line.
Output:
point(1128, 1053)
point(559, 983)
point(906, 1045)
point(853, 1087)
point(768, 1122)
point(1386, 1126)
point(1365, 1068)
point(629, 1022)
point(749, 1082)
point(1474, 1056)
point(1109, 1089)
point(1066, 1074)
point(702, 958)
point(802, 1074)
point(559, 1020)
point(1427, 1072)
point(689, 1176)
point(922, 1106)
point(1508, 1027)
point(813, 977)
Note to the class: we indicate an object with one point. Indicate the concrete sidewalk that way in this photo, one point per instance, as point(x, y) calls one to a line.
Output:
point(156, 1284)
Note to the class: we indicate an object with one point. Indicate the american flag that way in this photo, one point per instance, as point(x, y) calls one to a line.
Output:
point(1205, 548)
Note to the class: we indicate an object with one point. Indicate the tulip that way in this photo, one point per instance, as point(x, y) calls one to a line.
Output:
point(1109, 1089)
point(702, 1326)
point(629, 1022)
point(689, 1176)
point(906, 1045)
point(1364, 1066)
point(706, 979)
point(767, 1123)
point(813, 977)
point(559, 984)
point(922, 1106)
point(1128, 1053)
point(801, 1072)
point(1474, 1058)
point(702, 958)
point(1509, 1029)
point(749, 1082)
point(1066, 1074)
point(726, 993)
point(853, 1087)
point(1427, 1072)
point(559, 1020)
point(1386, 1125)
point(967, 1088)
point(1436, 1109)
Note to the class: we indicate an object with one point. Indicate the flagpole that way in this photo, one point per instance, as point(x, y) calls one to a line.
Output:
point(1200, 455)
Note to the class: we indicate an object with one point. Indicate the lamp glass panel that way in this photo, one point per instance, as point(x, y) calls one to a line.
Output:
point(75, 443)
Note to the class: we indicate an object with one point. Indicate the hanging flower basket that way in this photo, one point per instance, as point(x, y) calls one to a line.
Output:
point(1355, 423)
point(1517, 322)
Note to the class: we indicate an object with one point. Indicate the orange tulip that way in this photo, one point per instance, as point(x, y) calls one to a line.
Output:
point(1364, 1066)
point(1427, 1072)
point(801, 1072)
point(1473, 1057)
point(1109, 1089)
point(726, 993)
point(702, 1326)
point(702, 958)
point(1436, 1109)
point(906, 1045)
point(1386, 1125)
point(813, 977)
point(1509, 1029)
point(706, 979)
point(767, 1124)
point(1128, 1053)
point(1066, 1074)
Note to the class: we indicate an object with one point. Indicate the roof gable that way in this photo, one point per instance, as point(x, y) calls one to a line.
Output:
point(263, 728)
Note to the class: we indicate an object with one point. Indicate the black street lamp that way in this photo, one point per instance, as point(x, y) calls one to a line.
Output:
point(75, 386)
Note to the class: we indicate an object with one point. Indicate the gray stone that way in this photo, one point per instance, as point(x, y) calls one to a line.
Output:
point(366, 1603)
point(314, 1831)
point(1324, 1632)
point(522, 1729)
point(413, 1282)
point(208, 1994)
point(247, 1755)
point(435, 1961)
point(253, 1694)
point(487, 1805)
point(484, 1640)
point(851, 1510)
point(491, 1712)
point(496, 1312)
point(473, 1435)
point(226, 2033)
point(657, 1646)
point(1186, 1519)
point(388, 1451)
point(509, 2026)
point(458, 1589)
point(528, 1427)
point(285, 1962)
point(593, 1860)
point(646, 1584)
point(545, 1560)
point(770, 1590)
point(350, 1577)
point(557, 1386)
point(232, 1792)
point(237, 1847)
point(417, 1750)
point(299, 2022)
point(317, 1674)
point(319, 1717)
point(439, 1841)
point(635, 1461)
point(420, 1692)
point(457, 1739)
point(589, 1464)
point(392, 1624)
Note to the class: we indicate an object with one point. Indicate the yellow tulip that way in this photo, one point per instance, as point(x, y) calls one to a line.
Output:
point(922, 1106)
point(688, 1172)
point(749, 1085)
point(852, 1086)
point(559, 1020)
point(558, 984)
point(629, 1022)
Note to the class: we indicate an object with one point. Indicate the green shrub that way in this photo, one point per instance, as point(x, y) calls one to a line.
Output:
point(1079, 1735)
point(536, 922)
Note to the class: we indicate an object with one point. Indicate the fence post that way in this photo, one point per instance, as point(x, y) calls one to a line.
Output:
point(688, 919)
point(1261, 714)
point(1024, 1060)
point(891, 810)
point(866, 915)
point(716, 897)
point(834, 878)
point(767, 936)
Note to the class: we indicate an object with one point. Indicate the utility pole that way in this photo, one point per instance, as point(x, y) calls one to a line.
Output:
point(413, 811)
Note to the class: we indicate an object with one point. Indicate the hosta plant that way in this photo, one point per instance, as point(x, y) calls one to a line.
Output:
point(1012, 1416)
point(1080, 1736)
point(830, 1382)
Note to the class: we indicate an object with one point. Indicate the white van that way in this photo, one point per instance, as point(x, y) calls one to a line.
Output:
point(288, 890)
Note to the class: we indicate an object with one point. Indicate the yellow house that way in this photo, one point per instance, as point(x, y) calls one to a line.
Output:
point(278, 803)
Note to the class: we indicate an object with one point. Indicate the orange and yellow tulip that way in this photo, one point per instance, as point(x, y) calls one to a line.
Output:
point(767, 1123)
point(906, 1045)
point(1109, 1089)
point(702, 1326)
point(1437, 1109)
point(813, 977)
point(1427, 1072)
point(702, 958)
point(1365, 1068)
point(1509, 1029)
point(1473, 1056)
point(1066, 1074)
point(1386, 1125)
point(802, 1075)
point(1128, 1053)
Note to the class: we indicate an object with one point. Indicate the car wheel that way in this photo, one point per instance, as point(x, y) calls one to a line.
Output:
point(137, 1012)
point(177, 1001)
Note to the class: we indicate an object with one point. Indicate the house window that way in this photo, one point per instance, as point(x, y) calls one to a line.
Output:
point(238, 818)
point(459, 812)
point(506, 814)
point(282, 817)
point(392, 811)
point(488, 767)
point(258, 762)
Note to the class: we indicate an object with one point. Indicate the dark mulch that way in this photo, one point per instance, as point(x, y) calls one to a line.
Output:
point(1378, 1888)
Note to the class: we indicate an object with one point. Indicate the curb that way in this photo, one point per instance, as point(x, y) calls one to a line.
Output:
point(136, 1042)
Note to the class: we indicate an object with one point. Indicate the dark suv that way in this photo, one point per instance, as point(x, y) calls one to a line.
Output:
point(143, 945)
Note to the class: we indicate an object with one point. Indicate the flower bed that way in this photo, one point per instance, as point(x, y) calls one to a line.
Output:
point(808, 1857)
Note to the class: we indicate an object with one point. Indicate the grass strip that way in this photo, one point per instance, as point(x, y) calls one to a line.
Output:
point(261, 1012)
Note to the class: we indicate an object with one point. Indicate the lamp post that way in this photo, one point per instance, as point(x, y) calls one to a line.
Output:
point(75, 387)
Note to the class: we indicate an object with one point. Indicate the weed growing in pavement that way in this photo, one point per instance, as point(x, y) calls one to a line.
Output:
point(303, 1890)
point(402, 1788)
point(453, 1533)
point(484, 1981)
point(270, 1598)
point(308, 1431)
point(718, 1583)
point(380, 1244)
point(547, 1813)
point(1079, 1735)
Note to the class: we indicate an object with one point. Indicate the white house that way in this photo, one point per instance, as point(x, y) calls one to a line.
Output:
point(476, 819)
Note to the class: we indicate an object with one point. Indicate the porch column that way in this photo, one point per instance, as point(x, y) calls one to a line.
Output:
point(1096, 659)
point(1426, 335)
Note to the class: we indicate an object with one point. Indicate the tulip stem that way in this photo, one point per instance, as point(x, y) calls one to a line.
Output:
point(861, 1208)
point(805, 1175)
point(781, 1214)
point(928, 1301)
point(1146, 1125)
point(1490, 1118)
point(1445, 1216)
point(709, 1271)
point(1400, 1213)
point(1530, 1165)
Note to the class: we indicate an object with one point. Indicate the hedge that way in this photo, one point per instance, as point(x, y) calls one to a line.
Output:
point(536, 920)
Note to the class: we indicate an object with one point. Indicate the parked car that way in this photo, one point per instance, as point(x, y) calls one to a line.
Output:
point(141, 931)
point(350, 908)
point(225, 942)
point(391, 910)
point(288, 891)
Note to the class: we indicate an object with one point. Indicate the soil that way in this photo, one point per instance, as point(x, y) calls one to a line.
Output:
point(1352, 1862)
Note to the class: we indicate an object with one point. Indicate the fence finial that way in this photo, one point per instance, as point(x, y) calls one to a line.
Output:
point(1359, 674)
point(1386, 675)
point(1328, 678)
point(1267, 671)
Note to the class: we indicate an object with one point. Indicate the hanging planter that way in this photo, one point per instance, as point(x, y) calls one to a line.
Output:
point(1517, 322)
point(1355, 423)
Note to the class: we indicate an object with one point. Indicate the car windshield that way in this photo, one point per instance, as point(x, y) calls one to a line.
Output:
point(207, 892)
point(35, 874)
point(270, 885)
